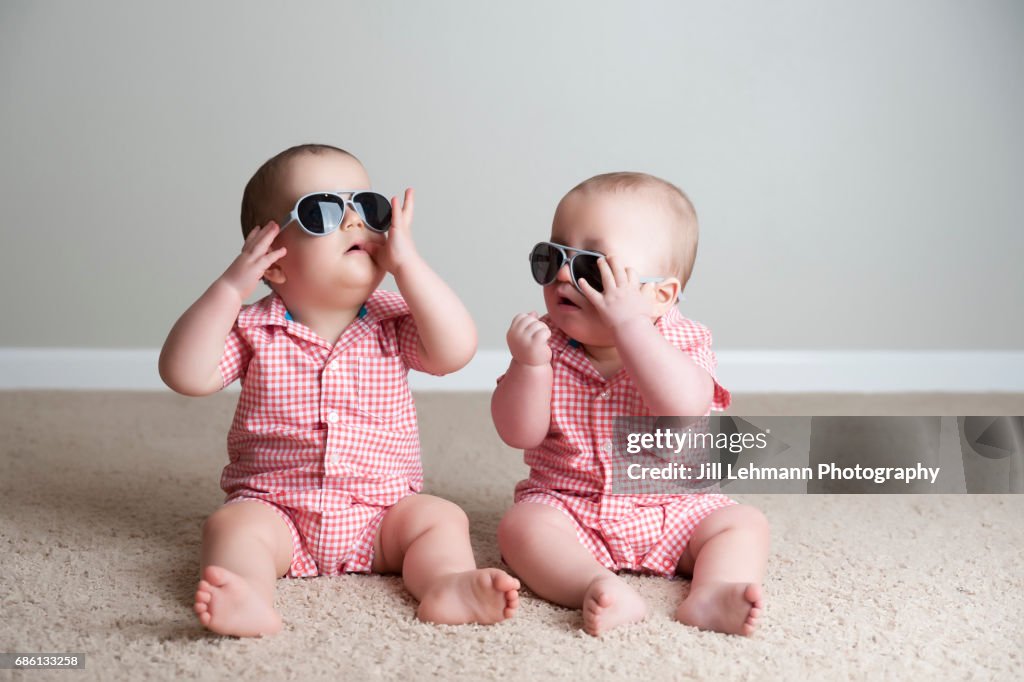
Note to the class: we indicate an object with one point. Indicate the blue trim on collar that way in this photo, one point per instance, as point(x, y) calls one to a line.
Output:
point(363, 312)
point(574, 343)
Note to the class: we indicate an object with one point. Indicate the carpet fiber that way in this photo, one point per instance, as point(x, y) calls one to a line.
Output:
point(102, 496)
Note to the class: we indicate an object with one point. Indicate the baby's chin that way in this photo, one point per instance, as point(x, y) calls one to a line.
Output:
point(345, 290)
point(581, 325)
point(361, 288)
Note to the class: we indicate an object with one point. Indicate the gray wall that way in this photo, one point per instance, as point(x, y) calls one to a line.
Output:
point(858, 166)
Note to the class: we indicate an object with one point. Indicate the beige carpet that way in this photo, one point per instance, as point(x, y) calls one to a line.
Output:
point(102, 496)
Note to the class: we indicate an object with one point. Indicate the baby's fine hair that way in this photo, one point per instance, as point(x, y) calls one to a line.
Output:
point(684, 229)
point(258, 196)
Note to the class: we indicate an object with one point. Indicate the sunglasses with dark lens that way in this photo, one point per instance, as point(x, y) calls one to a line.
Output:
point(321, 213)
point(547, 258)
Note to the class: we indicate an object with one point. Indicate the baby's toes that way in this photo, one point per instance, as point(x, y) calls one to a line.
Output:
point(202, 601)
point(753, 595)
point(504, 582)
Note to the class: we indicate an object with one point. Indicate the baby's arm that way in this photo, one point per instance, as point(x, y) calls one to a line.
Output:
point(669, 381)
point(521, 404)
point(192, 352)
point(446, 330)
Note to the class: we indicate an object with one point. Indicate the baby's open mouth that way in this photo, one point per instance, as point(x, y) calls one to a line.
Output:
point(354, 247)
point(562, 300)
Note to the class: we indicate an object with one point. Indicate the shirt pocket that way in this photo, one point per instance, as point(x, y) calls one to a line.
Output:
point(383, 391)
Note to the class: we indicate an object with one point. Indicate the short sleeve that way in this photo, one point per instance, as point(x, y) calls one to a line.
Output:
point(694, 339)
point(235, 360)
point(408, 337)
point(704, 357)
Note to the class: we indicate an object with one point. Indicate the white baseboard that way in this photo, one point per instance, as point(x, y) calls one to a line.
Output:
point(740, 371)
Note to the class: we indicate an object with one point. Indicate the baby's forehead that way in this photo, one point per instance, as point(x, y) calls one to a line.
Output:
point(607, 215)
point(628, 224)
point(315, 172)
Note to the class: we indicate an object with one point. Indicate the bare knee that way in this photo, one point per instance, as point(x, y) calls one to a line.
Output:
point(752, 519)
point(737, 517)
point(222, 521)
point(511, 529)
point(520, 524)
point(421, 513)
point(410, 519)
point(235, 519)
point(446, 512)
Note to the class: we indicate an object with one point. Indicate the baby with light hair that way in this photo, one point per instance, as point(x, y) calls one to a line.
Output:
point(613, 343)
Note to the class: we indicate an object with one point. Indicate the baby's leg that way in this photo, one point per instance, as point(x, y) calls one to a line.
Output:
point(426, 539)
point(540, 544)
point(247, 546)
point(726, 556)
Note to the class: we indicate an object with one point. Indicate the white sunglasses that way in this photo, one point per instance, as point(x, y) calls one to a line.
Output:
point(321, 213)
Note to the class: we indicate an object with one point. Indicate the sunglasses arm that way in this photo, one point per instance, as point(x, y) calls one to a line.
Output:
point(287, 221)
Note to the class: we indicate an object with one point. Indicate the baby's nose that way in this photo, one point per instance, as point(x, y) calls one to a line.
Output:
point(352, 218)
point(563, 273)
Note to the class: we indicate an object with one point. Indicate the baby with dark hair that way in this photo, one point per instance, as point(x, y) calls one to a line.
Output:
point(324, 474)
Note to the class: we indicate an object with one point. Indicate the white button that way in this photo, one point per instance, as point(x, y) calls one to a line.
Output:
point(608, 446)
point(605, 395)
point(333, 417)
point(333, 366)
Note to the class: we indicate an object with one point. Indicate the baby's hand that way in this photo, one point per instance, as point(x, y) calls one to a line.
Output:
point(244, 274)
point(528, 340)
point(398, 249)
point(624, 298)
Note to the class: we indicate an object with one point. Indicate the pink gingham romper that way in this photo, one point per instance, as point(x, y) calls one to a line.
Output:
point(570, 469)
point(326, 435)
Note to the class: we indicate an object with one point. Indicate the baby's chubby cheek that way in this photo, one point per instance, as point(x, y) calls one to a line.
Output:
point(583, 325)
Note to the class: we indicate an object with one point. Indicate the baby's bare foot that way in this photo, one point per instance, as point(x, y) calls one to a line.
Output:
point(732, 608)
point(608, 603)
point(483, 595)
point(229, 605)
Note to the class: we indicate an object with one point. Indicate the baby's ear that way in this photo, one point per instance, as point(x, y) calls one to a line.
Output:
point(666, 294)
point(274, 275)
